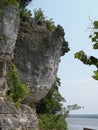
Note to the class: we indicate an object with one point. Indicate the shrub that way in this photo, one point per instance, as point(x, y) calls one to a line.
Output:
point(60, 30)
point(41, 19)
point(17, 90)
point(39, 16)
point(50, 24)
point(24, 3)
point(51, 114)
point(25, 14)
point(65, 48)
point(52, 122)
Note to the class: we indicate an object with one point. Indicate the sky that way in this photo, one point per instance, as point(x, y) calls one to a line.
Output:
point(76, 17)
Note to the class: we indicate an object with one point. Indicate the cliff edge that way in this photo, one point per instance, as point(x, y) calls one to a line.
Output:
point(36, 52)
point(37, 56)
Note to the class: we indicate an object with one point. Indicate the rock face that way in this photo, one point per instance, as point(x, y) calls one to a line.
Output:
point(10, 117)
point(9, 26)
point(8, 32)
point(37, 55)
point(13, 119)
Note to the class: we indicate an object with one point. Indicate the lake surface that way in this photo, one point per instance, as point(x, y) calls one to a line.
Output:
point(80, 123)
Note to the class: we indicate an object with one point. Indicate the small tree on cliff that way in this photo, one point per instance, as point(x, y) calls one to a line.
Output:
point(91, 60)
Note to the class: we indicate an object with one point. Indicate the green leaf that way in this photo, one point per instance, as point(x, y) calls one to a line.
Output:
point(76, 55)
point(95, 76)
point(95, 46)
point(95, 24)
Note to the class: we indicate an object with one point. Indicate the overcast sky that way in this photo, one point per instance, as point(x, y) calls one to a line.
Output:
point(76, 17)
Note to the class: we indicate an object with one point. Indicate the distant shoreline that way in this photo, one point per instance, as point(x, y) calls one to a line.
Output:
point(83, 116)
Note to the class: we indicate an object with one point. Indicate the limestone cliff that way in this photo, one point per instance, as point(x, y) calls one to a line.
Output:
point(9, 25)
point(36, 52)
point(13, 119)
point(37, 56)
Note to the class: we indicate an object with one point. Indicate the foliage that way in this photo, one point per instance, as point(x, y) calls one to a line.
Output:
point(73, 107)
point(25, 14)
point(86, 60)
point(50, 110)
point(65, 48)
point(52, 103)
point(17, 90)
point(52, 122)
point(51, 113)
point(41, 19)
point(91, 60)
point(24, 3)
point(39, 16)
point(60, 30)
point(50, 24)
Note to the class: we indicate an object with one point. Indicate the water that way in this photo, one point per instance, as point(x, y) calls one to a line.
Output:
point(80, 123)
